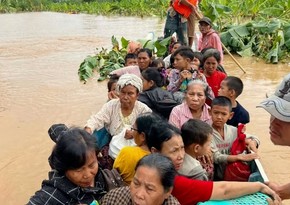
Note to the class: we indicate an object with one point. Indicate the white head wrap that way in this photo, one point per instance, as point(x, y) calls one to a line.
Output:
point(130, 79)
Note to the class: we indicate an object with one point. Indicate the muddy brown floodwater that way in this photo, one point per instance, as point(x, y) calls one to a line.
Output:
point(39, 57)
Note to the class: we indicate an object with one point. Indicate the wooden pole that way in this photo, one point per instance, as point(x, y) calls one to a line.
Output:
point(240, 66)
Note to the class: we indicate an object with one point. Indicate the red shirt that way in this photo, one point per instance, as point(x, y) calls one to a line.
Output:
point(190, 191)
point(214, 81)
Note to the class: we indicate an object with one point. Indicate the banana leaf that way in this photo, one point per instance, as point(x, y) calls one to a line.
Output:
point(287, 36)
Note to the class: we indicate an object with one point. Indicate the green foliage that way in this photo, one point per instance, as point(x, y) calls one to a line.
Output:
point(106, 61)
point(266, 39)
point(102, 7)
point(252, 27)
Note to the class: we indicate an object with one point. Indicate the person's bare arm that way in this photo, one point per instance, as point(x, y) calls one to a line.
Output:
point(242, 157)
point(282, 190)
point(228, 190)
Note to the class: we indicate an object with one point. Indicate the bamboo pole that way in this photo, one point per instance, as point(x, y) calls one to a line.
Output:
point(240, 66)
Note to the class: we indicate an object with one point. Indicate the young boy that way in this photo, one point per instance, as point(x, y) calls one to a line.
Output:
point(131, 59)
point(197, 137)
point(112, 85)
point(185, 70)
point(232, 87)
point(224, 135)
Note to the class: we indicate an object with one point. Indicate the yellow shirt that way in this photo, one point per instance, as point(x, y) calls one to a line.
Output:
point(127, 160)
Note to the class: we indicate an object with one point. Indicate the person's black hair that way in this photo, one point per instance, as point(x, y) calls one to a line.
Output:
point(161, 132)
point(157, 61)
point(155, 75)
point(146, 50)
point(211, 53)
point(222, 101)
point(113, 79)
point(164, 166)
point(130, 56)
point(177, 42)
point(198, 55)
point(195, 131)
point(234, 83)
point(71, 150)
point(145, 121)
point(184, 51)
point(171, 61)
point(55, 131)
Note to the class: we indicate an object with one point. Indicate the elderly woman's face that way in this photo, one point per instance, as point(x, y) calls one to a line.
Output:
point(143, 60)
point(85, 175)
point(128, 96)
point(146, 187)
point(195, 97)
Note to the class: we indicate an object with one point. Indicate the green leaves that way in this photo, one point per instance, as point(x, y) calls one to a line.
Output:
point(106, 61)
point(266, 39)
point(86, 68)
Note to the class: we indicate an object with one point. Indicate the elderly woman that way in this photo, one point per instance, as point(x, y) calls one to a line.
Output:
point(194, 106)
point(118, 115)
point(152, 184)
point(144, 59)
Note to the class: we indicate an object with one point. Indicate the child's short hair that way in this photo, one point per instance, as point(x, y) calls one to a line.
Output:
point(198, 55)
point(156, 62)
point(113, 79)
point(222, 101)
point(234, 83)
point(130, 56)
point(195, 131)
point(184, 51)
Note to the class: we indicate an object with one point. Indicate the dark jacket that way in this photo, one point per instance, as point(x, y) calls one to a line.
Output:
point(160, 101)
point(60, 190)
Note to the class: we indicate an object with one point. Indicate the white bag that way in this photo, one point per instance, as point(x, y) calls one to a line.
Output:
point(118, 142)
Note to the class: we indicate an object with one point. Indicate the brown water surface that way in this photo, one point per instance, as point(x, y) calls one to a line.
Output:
point(39, 57)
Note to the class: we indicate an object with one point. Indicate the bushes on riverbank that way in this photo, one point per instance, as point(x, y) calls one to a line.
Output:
point(99, 7)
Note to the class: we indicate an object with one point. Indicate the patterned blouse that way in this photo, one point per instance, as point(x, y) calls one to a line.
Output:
point(122, 196)
point(111, 117)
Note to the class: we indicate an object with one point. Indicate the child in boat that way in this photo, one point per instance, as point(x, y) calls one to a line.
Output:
point(175, 46)
point(112, 85)
point(197, 137)
point(131, 59)
point(185, 70)
point(224, 135)
point(232, 87)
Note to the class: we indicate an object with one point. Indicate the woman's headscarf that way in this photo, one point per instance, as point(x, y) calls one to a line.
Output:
point(129, 79)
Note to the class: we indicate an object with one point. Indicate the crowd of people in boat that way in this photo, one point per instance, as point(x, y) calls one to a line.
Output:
point(167, 128)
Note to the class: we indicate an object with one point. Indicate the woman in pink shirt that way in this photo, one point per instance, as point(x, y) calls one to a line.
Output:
point(194, 106)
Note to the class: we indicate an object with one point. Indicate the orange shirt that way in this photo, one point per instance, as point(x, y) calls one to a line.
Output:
point(182, 9)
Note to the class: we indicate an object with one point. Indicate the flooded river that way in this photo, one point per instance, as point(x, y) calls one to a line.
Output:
point(39, 58)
